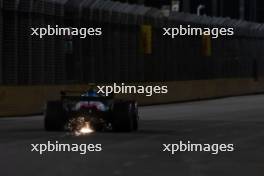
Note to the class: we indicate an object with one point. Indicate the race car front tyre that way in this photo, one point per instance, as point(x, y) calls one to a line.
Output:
point(53, 120)
point(123, 117)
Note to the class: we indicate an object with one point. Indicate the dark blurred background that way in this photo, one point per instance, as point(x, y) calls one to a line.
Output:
point(132, 49)
point(132, 45)
point(251, 10)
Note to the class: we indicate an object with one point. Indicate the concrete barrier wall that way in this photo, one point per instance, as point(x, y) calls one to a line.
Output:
point(26, 100)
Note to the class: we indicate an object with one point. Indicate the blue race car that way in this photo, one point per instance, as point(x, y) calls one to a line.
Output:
point(103, 113)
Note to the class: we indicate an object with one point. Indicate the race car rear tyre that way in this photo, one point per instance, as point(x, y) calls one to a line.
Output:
point(53, 120)
point(123, 117)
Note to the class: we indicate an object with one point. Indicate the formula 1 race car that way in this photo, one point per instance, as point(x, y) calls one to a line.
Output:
point(103, 113)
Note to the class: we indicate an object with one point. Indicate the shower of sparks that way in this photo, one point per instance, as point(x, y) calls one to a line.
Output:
point(85, 129)
point(80, 126)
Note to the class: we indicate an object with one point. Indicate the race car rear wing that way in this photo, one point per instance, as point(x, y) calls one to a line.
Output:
point(77, 96)
point(71, 92)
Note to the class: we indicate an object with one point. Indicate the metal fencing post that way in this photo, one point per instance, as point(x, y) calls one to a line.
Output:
point(24, 42)
point(37, 45)
point(1, 42)
point(116, 45)
point(10, 54)
point(49, 43)
point(60, 51)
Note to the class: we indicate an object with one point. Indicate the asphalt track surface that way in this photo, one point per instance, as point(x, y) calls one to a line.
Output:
point(238, 120)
